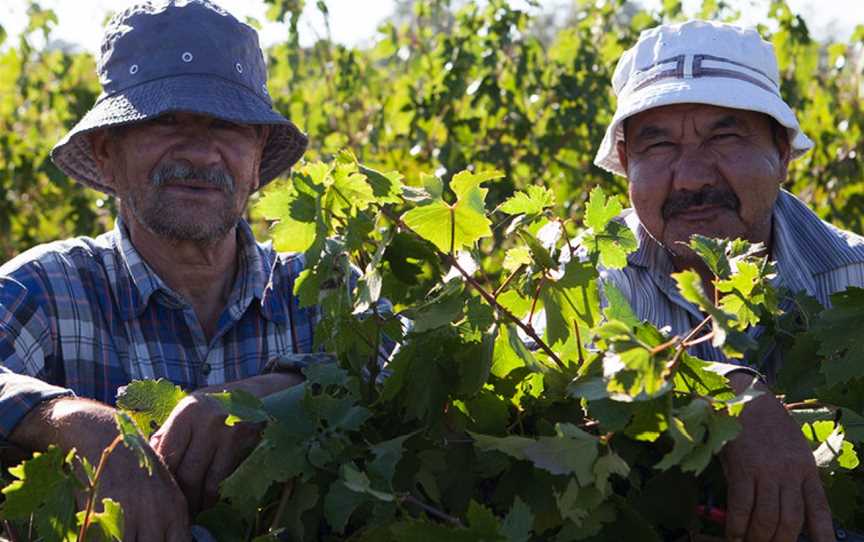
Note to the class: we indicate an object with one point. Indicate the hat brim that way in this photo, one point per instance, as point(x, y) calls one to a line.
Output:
point(721, 92)
point(201, 94)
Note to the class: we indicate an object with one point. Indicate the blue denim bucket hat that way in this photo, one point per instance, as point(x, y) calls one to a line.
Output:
point(180, 56)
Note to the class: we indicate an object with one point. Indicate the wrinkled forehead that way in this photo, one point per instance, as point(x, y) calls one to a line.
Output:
point(673, 118)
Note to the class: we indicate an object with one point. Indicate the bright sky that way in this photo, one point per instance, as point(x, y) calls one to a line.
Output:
point(354, 21)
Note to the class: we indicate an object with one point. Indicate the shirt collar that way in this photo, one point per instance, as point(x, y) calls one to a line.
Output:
point(803, 246)
point(136, 282)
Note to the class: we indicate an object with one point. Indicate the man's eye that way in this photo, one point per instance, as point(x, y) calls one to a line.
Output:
point(724, 137)
point(659, 145)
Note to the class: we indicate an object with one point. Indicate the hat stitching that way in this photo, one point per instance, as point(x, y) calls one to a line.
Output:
point(717, 72)
point(177, 75)
point(701, 57)
point(677, 72)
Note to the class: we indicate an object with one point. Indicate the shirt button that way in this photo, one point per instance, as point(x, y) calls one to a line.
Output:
point(205, 369)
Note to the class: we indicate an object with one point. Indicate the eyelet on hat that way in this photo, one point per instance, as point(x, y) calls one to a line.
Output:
point(239, 67)
point(187, 57)
point(133, 69)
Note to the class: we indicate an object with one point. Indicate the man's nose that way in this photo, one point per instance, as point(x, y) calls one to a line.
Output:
point(197, 146)
point(693, 170)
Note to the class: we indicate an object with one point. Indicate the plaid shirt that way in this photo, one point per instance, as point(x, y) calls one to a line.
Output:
point(812, 256)
point(86, 316)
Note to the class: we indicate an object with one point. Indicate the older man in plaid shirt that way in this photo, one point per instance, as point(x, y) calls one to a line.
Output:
point(183, 133)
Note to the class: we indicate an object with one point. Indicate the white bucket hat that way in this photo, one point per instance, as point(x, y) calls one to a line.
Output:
point(697, 62)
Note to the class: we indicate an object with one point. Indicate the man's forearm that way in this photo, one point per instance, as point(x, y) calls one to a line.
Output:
point(67, 422)
point(259, 386)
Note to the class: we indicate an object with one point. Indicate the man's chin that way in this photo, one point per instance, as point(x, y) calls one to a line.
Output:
point(678, 232)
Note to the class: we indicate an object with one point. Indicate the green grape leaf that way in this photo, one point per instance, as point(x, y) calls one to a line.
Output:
point(612, 245)
point(454, 227)
point(348, 190)
point(295, 207)
point(38, 482)
point(510, 353)
point(713, 253)
point(698, 432)
point(518, 523)
point(241, 406)
point(356, 480)
point(465, 182)
point(340, 503)
point(481, 521)
point(572, 300)
point(833, 447)
point(601, 209)
point(728, 332)
point(516, 257)
point(424, 531)
point(307, 287)
point(387, 187)
point(109, 521)
point(134, 440)
point(739, 289)
point(149, 402)
point(387, 456)
point(635, 366)
point(533, 201)
point(605, 467)
point(278, 457)
point(368, 290)
point(617, 306)
point(839, 332)
point(571, 451)
point(292, 236)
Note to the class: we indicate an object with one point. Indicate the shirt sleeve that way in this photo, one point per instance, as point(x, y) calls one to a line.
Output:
point(25, 342)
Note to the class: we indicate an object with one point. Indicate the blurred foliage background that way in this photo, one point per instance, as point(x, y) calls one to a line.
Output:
point(445, 85)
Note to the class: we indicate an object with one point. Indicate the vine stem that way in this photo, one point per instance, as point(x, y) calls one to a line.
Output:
point(287, 491)
point(507, 282)
point(94, 486)
point(682, 344)
point(527, 328)
point(10, 530)
point(536, 297)
point(431, 510)
point(488, 297)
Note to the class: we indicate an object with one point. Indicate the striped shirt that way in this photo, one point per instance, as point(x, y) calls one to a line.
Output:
point(812, 256)
point(87, 316)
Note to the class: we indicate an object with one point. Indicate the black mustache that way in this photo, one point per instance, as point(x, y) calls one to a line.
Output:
point(177, 171)
point(678, 202)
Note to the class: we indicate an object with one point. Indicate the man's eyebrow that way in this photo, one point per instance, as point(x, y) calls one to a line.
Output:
point(729, 121)
point(650, 131)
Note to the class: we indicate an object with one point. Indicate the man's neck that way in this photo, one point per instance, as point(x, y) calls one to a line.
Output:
point(203, 273)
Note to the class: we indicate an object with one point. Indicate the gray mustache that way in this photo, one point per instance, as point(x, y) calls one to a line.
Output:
point(164, 174)
point(678, 202)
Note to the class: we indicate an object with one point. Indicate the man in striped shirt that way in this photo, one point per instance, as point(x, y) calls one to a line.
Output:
point(183, 133)
point(704, 139)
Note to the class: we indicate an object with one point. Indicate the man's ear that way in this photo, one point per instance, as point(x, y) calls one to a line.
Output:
point(621, 148)
point(100, 147)
point(784, 148)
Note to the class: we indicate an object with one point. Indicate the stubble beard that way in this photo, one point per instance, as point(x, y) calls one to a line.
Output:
point(171, 219)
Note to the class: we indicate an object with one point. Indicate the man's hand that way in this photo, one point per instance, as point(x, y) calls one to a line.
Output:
point(772, 478)
point(153, 506)
point(199, 449)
